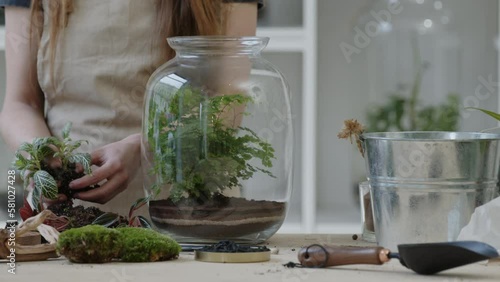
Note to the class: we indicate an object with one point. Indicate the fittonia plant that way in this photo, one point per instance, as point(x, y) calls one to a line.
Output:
point(34, 165)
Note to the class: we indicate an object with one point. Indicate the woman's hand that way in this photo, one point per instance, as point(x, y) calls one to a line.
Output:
point(117, 163)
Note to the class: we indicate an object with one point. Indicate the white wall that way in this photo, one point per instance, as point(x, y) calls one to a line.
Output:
point(341, 87)
point(477, 23)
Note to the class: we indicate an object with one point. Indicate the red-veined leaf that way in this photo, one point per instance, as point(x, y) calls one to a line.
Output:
point(137, 205)
point(144, 222)
point(107, 219)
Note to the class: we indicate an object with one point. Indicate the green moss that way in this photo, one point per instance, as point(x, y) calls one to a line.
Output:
point(98, 244)
point(90, 244)
point(145, 245)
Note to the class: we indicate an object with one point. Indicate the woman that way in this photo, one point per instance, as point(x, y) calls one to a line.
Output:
point(87, 62)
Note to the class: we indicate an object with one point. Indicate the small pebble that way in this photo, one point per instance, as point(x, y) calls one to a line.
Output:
point(293, 250)
point(275, 251)
point(355, 237)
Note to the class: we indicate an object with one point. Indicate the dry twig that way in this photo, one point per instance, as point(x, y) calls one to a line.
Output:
point(353, 129)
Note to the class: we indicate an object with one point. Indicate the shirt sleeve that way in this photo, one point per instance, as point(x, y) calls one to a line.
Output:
point(19, 3)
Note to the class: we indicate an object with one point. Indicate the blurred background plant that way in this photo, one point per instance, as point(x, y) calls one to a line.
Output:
point(404, 111)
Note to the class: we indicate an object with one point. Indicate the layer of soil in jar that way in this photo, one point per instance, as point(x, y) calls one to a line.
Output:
point(218, 218)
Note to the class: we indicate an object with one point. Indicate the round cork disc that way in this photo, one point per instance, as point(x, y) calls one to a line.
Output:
point(232, 257)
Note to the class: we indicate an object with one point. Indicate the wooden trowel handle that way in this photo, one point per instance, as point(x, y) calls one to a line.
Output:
point(324, 256)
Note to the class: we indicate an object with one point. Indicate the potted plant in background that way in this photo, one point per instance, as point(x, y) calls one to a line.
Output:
point(403, 113)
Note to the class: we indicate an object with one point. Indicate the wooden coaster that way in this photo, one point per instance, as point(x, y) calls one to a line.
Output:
point(232, 257)
point(29, 239)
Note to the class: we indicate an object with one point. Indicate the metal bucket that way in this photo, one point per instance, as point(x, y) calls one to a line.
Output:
point(424, 213)
point(431, 156)
point(426, 185)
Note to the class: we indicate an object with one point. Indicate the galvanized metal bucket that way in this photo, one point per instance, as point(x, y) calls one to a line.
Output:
point(426, 185)
point(431, 156)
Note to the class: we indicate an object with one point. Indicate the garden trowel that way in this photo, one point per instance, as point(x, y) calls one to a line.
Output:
point(428, 258)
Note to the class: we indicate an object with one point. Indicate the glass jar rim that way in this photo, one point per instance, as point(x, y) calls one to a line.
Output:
point(243, 44)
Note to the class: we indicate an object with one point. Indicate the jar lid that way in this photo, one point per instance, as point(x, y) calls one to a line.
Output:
point(232, 257)
point(230, 252)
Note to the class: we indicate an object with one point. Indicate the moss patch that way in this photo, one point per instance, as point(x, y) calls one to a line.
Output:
point(86, 244)
point(98, 244)
point(146, 245)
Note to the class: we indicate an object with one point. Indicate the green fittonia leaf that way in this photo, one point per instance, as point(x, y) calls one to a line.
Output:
point(84, 159)
point(26, 175)
point(66, 130)
point(41, 142)
point(25, 147)
point(36, 198)
point(46, 183)
point(20, 162)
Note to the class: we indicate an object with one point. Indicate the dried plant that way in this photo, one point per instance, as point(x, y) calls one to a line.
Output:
point(353, 130)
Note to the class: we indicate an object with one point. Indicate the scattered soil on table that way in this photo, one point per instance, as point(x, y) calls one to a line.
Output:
point(79, 216)
point(218, 218)
point(292, 264)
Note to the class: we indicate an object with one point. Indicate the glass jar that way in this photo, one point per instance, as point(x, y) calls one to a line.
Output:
point(217, 145)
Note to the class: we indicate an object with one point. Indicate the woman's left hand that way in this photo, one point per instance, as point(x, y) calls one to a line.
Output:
point(117, 163)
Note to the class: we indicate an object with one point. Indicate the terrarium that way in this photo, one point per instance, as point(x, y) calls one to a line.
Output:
point(217, 145)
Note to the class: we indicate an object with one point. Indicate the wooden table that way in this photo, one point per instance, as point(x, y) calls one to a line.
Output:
point(187, 269)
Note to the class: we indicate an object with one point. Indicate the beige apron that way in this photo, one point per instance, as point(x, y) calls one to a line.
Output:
point(102, 65)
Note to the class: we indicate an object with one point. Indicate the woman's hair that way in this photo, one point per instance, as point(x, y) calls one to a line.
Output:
point(173, 18)
point(189, 17)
